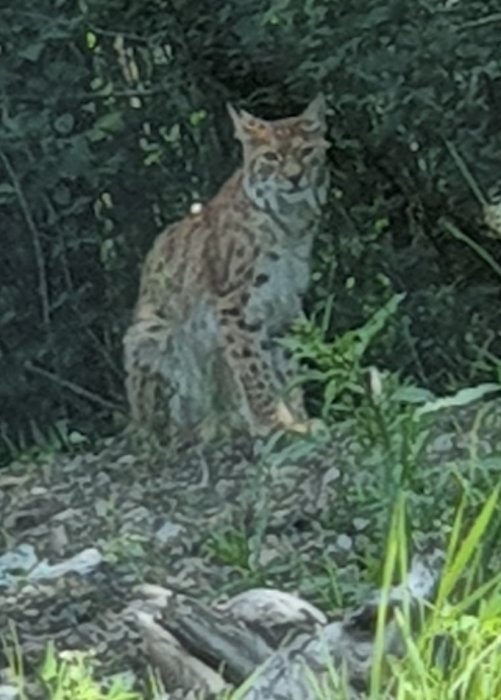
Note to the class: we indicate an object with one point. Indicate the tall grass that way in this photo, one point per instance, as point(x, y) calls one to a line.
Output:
point(452, 651)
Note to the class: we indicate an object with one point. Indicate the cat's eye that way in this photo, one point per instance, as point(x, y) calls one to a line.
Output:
point(270, 156)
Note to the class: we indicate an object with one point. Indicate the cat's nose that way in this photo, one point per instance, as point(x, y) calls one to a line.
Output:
point(295, 179)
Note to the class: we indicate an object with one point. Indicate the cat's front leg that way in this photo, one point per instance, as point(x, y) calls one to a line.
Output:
point(287, 371)
point(245, 351)
point(249, 354)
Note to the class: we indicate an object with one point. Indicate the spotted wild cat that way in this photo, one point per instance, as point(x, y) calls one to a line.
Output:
point(220, 287)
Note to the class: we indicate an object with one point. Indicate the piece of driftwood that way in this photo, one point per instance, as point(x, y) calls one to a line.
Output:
point(273, 641)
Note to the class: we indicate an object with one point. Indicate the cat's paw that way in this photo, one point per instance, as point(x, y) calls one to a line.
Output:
point(310, 426)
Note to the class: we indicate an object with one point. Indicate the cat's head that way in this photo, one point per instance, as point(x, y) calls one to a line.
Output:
point(284, 159)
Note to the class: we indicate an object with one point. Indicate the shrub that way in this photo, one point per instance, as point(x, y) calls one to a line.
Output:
point(113, 120)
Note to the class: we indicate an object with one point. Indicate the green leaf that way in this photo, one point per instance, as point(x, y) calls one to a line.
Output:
point(462, 398)
point(32, 52)
point(332, 390)
point(90, 40)
point(197, 117)
point(457, 565)
point(413, 394)
point(50, 666)
point(7, 192)
point(105, 125)
point(153, 157)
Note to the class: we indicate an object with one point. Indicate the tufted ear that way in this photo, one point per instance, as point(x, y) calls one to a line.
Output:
point(314, 114)
point(246, 125)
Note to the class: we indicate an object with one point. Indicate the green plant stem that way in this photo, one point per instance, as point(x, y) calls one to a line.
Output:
point(465, 172)
point(35, 236)
point(480, 22)
point(454, 231)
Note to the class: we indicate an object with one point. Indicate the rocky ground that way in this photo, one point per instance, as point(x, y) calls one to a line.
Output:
point(303, 514)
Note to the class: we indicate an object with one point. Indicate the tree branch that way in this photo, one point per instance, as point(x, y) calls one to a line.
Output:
point(71, 386)
point(36, 238)
point(480, 22)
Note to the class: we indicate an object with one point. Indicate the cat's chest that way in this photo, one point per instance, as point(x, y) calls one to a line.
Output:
point(282, 275)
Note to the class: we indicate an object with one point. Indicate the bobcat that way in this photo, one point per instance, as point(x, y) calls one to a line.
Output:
point(220, 287)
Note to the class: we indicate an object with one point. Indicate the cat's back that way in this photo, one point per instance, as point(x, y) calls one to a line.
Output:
point(191, 241)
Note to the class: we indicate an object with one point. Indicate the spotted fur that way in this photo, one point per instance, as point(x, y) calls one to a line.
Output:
point(222, 285)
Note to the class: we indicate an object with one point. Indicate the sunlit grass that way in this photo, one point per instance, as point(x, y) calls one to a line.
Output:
point(68, 675)
point(453, 654)
point(456, 652)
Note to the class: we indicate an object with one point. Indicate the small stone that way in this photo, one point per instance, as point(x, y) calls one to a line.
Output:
point(9, 692)
point(344, 542)
point(67, 514)
point(20, 560)
point(82, 563)
point(38, 491)
point(270, 551)
point(58, 539)
point(331, 474)
point(10, 480)
point(136, 516)
point(360, 523)
point(125, 679)
point(168, 531)
point(101, 478)
point(443, 443)
point(126, 459)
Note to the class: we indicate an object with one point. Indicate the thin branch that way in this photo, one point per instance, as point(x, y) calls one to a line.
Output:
point(98, 95)
point(124, 93)
point(478, 249)
point(71, 386)
point(36, 15)
point(480, 22)
point(465, 172)
point(36, 238)
point(101, 348)
point(126, 35)
point(193, 60)
point(70, 287)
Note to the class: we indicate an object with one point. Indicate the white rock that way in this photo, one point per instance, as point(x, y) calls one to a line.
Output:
point(344, 542)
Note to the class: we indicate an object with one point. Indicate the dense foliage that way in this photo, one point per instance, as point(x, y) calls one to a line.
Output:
point(113, 120)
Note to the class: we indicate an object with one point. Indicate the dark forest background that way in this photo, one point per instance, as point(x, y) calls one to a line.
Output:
point(113, 120)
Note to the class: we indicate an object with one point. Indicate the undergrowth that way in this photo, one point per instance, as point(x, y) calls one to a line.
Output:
point(453, 653)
